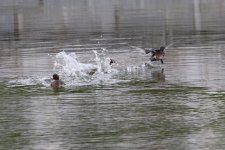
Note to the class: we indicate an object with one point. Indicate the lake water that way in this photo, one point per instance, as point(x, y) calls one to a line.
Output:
point(130, 105)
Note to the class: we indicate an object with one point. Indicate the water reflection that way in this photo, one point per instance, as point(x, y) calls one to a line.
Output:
point(159, 75)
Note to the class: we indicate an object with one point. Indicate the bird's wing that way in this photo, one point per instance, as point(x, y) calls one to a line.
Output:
point(146, 50)
point(137, 48)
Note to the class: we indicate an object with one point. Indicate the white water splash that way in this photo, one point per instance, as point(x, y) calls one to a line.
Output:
point(68, 65)
point(103, 62)
point(73, 72)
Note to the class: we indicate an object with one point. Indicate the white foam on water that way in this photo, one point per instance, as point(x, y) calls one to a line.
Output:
point(143, 66)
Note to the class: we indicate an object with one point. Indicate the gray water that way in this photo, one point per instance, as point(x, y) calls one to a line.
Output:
point(177, 105)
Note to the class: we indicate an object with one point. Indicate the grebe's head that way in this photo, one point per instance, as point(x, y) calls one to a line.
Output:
point(55, 77)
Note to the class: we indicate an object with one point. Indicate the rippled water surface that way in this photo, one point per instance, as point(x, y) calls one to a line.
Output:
point(133, 104)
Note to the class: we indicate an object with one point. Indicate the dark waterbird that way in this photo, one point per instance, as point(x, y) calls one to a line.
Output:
point(57, 83)
point(157, 54)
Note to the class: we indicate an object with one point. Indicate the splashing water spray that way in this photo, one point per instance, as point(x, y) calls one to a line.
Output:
point(103, 61)
point(72, 71)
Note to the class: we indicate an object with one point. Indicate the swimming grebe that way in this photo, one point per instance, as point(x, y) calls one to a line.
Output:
point(56, 83)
